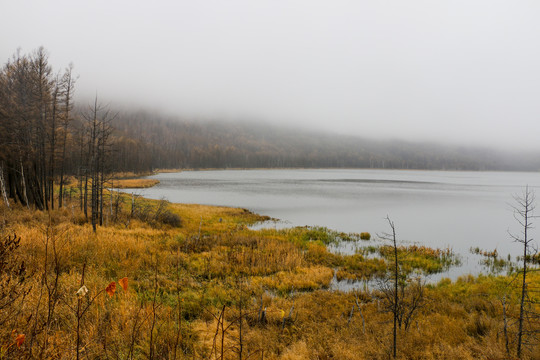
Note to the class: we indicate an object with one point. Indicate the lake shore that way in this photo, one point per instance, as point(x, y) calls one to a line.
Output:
point(457, 210)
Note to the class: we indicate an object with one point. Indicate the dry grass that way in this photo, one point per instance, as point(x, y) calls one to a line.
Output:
point(132, 183)
point(181, 278)
point(130, 175)
point(165, 171)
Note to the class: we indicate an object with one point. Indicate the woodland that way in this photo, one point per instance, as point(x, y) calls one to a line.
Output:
point(88, 272)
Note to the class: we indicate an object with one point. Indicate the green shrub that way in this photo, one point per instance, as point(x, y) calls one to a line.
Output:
point(365, 236)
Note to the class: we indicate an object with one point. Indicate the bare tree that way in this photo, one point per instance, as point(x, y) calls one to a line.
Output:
point(67, 86)
point(394, 298)
point(403, 295)
point(3, 185)
point(42, 93)
point(524, 213)
point(98, 119)
point(30, 99)
point(52, 137)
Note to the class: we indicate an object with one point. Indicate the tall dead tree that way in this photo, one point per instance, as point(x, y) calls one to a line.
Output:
point(31, 112)
point(3, 186)
point(41, 72)
point(104, 150)
point(52, 137)
point(524, 214)
point(92, 164)
point(16, 128)
point(25, 110)
point(67, 85)
point(98, 124)
point(403, 296)
point(394, 300)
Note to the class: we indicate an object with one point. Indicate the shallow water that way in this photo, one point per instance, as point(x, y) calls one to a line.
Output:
point(434, 208)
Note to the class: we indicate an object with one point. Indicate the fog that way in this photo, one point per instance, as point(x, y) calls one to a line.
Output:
point(451, 71)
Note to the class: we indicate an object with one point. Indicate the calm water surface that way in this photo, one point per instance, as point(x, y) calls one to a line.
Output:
point(434, 208)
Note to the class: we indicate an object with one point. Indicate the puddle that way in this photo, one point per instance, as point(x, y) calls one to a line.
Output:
point(274, 224)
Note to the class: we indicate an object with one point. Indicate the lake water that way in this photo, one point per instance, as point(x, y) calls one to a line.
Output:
point(434, 208)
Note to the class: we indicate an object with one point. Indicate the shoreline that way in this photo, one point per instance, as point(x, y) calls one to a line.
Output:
point(470, 262)
point(172, 171)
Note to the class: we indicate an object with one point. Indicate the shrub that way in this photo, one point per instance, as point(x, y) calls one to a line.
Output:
point(478, 326)
point(170, 218)
point(365, 236)
point(12, 278)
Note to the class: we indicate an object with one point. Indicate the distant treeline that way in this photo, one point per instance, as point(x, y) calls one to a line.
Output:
point(46, 138)
point(162, 142)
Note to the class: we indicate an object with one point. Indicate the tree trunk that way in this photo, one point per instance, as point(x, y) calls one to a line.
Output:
point(3, 186)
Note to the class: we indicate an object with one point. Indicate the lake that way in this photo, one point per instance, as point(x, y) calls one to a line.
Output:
point(441, 209)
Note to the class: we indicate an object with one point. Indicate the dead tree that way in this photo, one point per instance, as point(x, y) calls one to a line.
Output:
point(67, 86)
point(98, 121)
point(52, 137)
point(105, 130)
point(393, 296)
point(29, 117)
point(41, 73)
point(3, 186)
point(524, 213)
point(402, 295)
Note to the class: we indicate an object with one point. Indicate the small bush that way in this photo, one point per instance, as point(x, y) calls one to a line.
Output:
point(478, 326)
point(365, 236)
point(78, 219)
point(170, 218)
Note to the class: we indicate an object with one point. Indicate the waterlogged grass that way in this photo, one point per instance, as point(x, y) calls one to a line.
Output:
point(493, 262)
point(314, 242)
point(421, 258)
point(322, 235)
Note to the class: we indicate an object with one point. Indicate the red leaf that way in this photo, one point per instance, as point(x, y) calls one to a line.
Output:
point(111, 288)
point(123, 283)
point(19, 340)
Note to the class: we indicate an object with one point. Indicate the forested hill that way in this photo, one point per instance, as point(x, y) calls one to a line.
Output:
point(148, 141)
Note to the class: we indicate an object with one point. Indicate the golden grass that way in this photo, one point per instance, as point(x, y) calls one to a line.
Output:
point(130, 175)
point(165, 171)
point(180, 279)
point(132, 183)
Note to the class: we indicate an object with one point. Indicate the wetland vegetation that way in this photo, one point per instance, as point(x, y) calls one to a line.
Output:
point(209, 287)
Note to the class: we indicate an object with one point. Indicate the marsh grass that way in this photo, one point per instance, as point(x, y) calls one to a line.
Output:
point(493, 262)
point(131, 183)
point(421, 258)
point(180, 279)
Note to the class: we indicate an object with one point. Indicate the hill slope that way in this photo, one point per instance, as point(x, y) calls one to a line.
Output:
point(145, 141)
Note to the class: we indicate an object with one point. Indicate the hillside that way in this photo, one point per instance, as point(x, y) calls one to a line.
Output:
point(162, 142)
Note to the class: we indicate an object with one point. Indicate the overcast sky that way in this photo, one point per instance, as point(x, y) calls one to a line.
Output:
point(450, 71)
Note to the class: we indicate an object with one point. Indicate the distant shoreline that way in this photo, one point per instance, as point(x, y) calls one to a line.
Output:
point(170, 171)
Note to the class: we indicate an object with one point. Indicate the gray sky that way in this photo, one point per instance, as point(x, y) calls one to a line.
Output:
point(445, 70)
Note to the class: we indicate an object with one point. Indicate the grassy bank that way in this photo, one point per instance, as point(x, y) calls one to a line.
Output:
point(197, 283)
point(132, 183)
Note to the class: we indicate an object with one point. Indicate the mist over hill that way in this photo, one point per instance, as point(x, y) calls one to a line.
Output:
point(144, 140)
